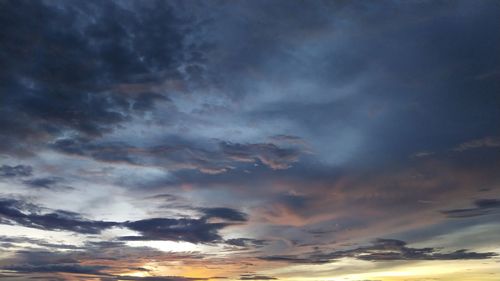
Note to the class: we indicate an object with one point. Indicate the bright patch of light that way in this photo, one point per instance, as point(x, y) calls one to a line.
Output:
point(166, 246)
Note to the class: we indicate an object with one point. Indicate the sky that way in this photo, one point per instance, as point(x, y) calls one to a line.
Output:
point(249, 140)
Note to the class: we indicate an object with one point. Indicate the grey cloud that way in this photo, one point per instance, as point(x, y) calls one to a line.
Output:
point(383, 250)
point(404, 80)
point(294, 259)
point(86, 260)
point(363, 83)
point(15, 211)
point(7, 171)
point(13, 240)
point(482, 207)
point(488, 142)
point(52, 268)
point(246, 242)
point(190, 230)
point(224, 213)
point(77, 78)
point(183, 155)
point(268, 153)
point(195, 230)
point(53, 183)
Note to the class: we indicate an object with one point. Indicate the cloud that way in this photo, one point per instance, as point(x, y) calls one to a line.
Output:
point(390, 249)
point(268, 153)
point(15, 241)
point(155, 278)
point(190, 230)
point(246, 242)
point(7, 171)
point(294, 259)
point(64, 80)
point(488, 142)
point(182, 155)
point(256, 277)
point(51, 268)
point(30, 216)
point(483, 207)
point(221, 104)
point(194, 230)
point(53, 183)
point(224, 213)
point(108, 260)
point(383, 250)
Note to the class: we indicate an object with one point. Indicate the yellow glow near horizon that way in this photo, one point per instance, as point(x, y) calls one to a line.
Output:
point(453, 270)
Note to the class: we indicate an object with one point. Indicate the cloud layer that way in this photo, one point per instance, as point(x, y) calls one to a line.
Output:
point(249, 140)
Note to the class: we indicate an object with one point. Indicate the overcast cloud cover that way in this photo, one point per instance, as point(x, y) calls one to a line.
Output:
point(189, 140)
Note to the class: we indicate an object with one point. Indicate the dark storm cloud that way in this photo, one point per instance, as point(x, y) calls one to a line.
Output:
point(7, 171)
point(384, 250)
point(198, 230)
point(69, 66)
point(482, 207)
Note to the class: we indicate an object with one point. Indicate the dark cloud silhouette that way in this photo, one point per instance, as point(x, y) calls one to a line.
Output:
point(31, 216)
point(88, 260)
point(383, 250)
point(198, 230)
point(224, 213)
point(246, 242)
point(190, 230)
point(483, 207)
point(52, 268)
point(390, 249)
point(7, 171)
point(294, 259)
